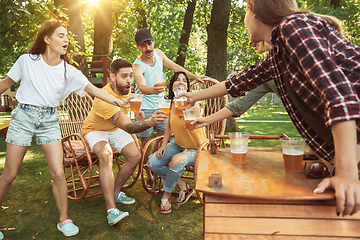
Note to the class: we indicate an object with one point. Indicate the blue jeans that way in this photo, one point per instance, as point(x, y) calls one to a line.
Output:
point(171, 175)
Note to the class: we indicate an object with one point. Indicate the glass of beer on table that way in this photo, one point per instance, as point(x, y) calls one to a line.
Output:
point(164, 105)
point(189, 116)
point(135, 102)
point(293, 153)
point(238, 145)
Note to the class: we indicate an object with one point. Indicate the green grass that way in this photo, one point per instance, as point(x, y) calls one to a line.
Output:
point(263, 113)
point(32, 194)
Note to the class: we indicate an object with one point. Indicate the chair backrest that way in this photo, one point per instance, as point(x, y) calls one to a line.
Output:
point(73, 112)
point(211, 106)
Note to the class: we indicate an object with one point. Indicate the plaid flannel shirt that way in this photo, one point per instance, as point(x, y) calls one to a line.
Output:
point(323, 68)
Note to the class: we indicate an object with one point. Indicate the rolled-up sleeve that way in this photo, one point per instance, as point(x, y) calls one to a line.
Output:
point(252, 77)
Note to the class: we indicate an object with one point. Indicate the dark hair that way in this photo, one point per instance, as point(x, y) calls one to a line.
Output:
point(171, 94)
point(119, 63)
point(47, 29)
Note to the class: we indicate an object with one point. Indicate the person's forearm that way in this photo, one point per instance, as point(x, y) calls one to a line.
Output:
point(148, 90)
point(218, 116)
point(136, 127)
point(214, 91)
point(5, 84)
point(345, 142)
point(103, 95)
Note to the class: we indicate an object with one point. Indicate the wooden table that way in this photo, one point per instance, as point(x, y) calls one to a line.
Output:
point(258, 200)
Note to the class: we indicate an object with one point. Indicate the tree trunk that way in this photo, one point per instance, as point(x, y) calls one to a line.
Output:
point(335, 3)
point(184, 40)
point(77, 28)
point(217, 46)
point(73, 9)
point(217, 39)
point(142, 20)
point(103, 43)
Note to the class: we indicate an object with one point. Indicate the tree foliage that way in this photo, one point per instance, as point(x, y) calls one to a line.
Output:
point(18, 27)
point(20, 19)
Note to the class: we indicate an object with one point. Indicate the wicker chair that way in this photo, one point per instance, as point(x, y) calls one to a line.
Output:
point(217, 128)
point(80, 163)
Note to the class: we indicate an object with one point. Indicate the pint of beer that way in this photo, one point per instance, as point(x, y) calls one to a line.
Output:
point(164, 105)
point(238, 157)
point(238, 144)
point(188, 124)
point(160, 79)
point(135, 105)
point(159, 84)
point(293, 153)
point(189, 116)
point(181, 102)
point(135, 102)
point(178, 111)
point(167, 110)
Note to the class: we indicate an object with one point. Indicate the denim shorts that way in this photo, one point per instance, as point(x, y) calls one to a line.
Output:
point(158, 129)
point(28, 121)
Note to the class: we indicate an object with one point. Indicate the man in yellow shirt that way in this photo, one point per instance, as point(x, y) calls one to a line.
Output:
point(108, 126)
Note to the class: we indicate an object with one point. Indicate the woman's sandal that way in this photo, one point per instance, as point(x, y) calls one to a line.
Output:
point(162, 206)
point(188, 193)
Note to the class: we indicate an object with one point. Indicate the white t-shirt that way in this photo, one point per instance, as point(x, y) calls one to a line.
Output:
point(43, 85)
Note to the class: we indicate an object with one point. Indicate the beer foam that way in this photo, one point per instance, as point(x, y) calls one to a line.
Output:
point(242, 151)
point(238, 141)
point(189, 118)
point(292, 152)
point(135, 100)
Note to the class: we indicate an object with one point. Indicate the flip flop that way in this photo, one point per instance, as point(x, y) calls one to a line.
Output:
point(188, 193)
point(162, 206)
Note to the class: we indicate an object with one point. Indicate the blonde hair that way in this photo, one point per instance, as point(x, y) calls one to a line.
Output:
point(273, 11)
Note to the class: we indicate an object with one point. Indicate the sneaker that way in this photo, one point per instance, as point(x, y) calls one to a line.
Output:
point(1, 236)
point(68, 228)
point(122, 198)
point(115, 215)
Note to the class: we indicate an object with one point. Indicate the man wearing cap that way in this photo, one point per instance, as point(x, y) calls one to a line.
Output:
point(147, 68)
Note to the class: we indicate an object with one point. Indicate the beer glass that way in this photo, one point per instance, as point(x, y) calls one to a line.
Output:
point(164, 105)
point(293, 153)
point(135, 102)
point(238, 145)
point(189, 116)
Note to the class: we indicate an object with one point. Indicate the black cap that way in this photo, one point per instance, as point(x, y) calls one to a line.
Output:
point(142, 36)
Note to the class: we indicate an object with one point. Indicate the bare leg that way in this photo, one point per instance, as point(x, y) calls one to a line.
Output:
point(133, 157)
point(167, 204)
point(54, 155)
point(14, 157)
point(104, 152)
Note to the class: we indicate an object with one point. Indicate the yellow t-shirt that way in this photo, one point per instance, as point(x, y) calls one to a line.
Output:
point(101, 111)
point(189, 139)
